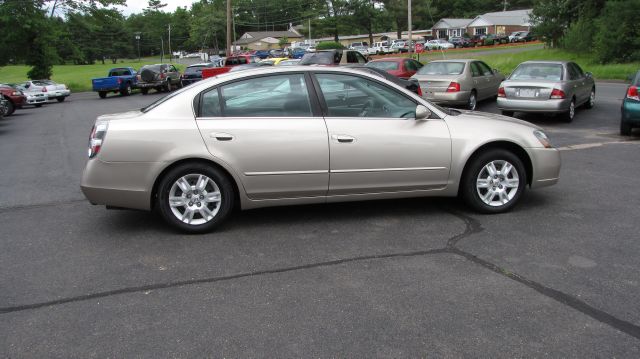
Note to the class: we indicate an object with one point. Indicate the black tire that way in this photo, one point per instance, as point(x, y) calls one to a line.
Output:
point(507, 113)
point(102, 94)
point(11, 108)
point(61, 99)
point(168, 86)
point(468, 185)
point(592, 99)
point(218, 177)
point(625, 128)
point(38, 105)
point(126, 91)
point(569, 115)
point(472, 104)
point(144, 90)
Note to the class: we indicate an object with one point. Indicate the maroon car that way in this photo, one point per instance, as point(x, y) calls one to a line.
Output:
point(14, 96)
point(401, 67)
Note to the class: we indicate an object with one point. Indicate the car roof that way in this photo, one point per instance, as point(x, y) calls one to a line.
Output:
point(559, 62)
point(455, 60)
point(390, 59)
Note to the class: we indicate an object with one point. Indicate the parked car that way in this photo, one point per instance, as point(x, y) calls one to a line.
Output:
point(362, 138)
point(438, 44)
point(193, 73)
point(460, 42)
point(276, 53)
point(161, 77)
point(397, 66)
point(631, 107)
point(250, 66)
point(119, 80)
point(525, 36)
point(291, 62)
point(379, 48)
point(399, 47)
point(262, 54)
point(412, 86)
point(297, 53)
point(458, 82)
point(229, 63)
point(333, 57)
point(53, 89)
point(513, 37)
point(359, 43)
point(34, 96)
point(4, 107)
point(362, 50)
point(547, 86)
point(14, 97)
point(274, 60)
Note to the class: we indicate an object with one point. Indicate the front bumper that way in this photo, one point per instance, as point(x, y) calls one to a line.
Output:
point(34, 100)
point(449, 98)
point(545, 163)
point(523, 105)
point(58, 94)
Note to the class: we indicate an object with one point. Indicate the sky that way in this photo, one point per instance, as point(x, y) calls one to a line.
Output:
point(136, 6)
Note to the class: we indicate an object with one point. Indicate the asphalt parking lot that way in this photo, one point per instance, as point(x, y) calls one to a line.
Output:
point(557, 277)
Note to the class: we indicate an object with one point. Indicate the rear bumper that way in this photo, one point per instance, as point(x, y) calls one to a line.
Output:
point(59, 93)
point(545, 106)
point(546, 166)
point(450, 98)
point(150, 84)
point(631, 112)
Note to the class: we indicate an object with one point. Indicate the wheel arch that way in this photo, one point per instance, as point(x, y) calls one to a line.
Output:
point(230, 177)
point(504, 145)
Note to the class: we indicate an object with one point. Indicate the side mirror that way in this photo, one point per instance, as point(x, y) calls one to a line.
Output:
point(422, 113)
point(495, 71)
point(589, 74)
point(630, 78)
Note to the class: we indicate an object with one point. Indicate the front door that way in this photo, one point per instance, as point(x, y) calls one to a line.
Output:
point(376, 145)
point(265, 129)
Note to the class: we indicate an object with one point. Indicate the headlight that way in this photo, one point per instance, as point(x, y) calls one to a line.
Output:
point(542, 137)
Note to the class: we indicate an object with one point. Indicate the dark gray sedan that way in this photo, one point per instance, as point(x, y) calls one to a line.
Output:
point(547, 87)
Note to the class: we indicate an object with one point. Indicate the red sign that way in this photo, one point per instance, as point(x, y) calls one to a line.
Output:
point(419, 48)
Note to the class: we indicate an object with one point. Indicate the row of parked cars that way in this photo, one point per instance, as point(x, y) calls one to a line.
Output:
point(31, 93)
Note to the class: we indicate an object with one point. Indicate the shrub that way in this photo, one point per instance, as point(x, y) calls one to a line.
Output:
point(617, 38)
point(580, 36)
point(329, 45)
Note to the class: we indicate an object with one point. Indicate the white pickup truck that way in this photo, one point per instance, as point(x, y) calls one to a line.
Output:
point(380, 48)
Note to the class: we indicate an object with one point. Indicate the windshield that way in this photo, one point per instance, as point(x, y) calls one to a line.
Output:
point(321, 58)
point(384, 65)
point(119, 72)
point(195, 69)
point(442, 68)
point(541, 71)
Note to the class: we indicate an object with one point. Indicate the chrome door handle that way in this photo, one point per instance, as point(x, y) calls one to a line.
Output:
point(343, 138)
point(220, 136)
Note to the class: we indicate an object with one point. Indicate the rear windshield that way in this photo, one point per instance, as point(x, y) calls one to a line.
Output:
point(195, 69)
point(155, 68)
point(384, 65)
point(119, 72)
point(43, 82)
point(321, 58)
point(442, 68)
point(551, 72)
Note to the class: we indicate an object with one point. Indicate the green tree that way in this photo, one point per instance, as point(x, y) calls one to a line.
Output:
point(617, 37)
point(552, 18)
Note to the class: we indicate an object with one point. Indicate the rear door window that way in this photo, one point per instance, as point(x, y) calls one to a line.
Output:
point(475, 69)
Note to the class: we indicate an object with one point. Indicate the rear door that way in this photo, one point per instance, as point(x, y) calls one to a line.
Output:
point(491, 78)
point(271, 132)
point(376, 145)
point(481, 82)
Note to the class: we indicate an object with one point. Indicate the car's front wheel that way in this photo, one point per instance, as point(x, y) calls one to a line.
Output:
point(625, 128)
point(61, 99)
point(494, 181)
point(195, 197)
point(11, 108)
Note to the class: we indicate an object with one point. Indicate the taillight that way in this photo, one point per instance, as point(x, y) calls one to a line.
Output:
point(162, 76)
point(501, 92)
point(453, 87)
point(557, 94)
point(95, 139)
point(138, 77)
point(119, 80)
point(419, 91)
point(44, 89)
point(632, 93)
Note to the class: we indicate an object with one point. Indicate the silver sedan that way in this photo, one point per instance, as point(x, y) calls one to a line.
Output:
point(297, 135)
point(52, 89)
point(458, 82)
point(547, 87)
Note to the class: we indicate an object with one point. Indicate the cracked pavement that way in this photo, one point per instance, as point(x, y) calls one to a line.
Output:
point(556, 277)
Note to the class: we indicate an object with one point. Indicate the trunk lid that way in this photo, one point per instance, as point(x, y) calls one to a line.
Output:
point(529, 89)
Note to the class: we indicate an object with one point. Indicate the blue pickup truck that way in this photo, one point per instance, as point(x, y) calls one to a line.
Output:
point(121, 80)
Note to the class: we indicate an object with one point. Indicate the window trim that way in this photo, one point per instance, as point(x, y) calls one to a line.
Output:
point(313, 99)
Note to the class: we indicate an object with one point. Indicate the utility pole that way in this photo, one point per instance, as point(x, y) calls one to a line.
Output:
point(309, 30)
point(229, 51)
point(162, 48)
point(138, 40)
point(409, 21)
point(504, 5)
point(170, 53)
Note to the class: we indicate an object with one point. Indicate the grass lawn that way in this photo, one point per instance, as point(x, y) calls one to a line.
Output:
point(507, 62)
point(77, 77)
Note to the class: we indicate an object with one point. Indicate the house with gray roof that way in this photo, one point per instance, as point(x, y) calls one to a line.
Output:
point(446, 28)
point(265, 40)
point(500, 23)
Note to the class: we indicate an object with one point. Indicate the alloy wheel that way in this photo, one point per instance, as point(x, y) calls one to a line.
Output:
point(195, 199)
point(497, 183)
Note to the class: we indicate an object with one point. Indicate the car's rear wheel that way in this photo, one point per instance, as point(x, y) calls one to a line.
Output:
point(507, 113)
point(61, 99)
point(592, 99)
point(168, 87)
point(195, 197)
point(144, 90)
point(571, 112)
point(494, 181)
point(126, 91)
point(38, 105)
point(625, 128)
point(102, 94)
point(473, 101)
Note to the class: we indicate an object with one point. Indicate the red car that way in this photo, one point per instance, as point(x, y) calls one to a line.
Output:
point(401, 67)
point(14, 96)
point(229, 63)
